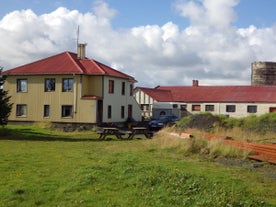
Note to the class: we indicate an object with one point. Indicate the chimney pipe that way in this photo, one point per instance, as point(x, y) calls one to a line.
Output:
point(81, 51)
point(195, 83)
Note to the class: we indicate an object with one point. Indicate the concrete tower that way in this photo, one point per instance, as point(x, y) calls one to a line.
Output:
point(263, 73)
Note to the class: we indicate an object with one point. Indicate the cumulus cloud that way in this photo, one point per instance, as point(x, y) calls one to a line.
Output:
point(208, 13)
point(209, 49)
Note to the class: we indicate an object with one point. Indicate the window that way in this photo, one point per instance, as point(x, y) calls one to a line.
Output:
point(109, 112)
point(111, 86)
point(122, 112)
point(67, 111)
point(252, 109)
point(195, 107)
point(50, 84)
point(131, 90)
point(144, 107)
point(272, 109)
point(175, 106)
point(21, 110)
point(22, 85)
point(183, 107)
point(46, 112)
point(209, 107)
point(123, 88)
point(230, 108)
point(67, 84)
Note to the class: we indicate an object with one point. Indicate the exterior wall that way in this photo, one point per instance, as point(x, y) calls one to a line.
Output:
point(240, 111)
point(117, 100)
point(145, 102)
point(92, 85)
point(84, 111)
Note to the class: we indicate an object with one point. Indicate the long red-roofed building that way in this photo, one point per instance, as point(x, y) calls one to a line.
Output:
point(234, 101)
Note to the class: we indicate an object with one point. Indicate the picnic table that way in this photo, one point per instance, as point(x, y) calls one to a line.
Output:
point(105, 131)
point(140, 130)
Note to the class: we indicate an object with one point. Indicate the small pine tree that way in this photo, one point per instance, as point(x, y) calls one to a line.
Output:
point(5, 105)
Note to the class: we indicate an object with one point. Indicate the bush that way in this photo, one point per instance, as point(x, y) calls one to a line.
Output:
point(184, 122)
point(202, 121)
point(260, 124)
point(267, 123)
point(205, 121)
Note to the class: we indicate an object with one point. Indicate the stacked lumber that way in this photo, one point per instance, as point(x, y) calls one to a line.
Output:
point(262, 152)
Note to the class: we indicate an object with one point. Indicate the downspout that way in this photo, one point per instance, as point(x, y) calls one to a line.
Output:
point(80, 86)
point(103, 105)
point(126, 99)
point(75, 95)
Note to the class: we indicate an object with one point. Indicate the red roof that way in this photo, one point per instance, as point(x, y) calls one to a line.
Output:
point(66, 63)
point(157, 94)
point(213, 93)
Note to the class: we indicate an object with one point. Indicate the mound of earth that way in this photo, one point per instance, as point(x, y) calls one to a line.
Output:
point(203, 121)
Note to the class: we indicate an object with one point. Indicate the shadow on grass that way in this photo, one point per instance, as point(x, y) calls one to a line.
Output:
point(31, 135)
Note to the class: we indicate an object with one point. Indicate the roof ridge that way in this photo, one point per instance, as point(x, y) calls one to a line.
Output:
point(113, 69)
point(73, 60)
point(97, 65)
point(153, 89)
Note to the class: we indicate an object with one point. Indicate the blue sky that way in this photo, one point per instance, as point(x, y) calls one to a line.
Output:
point(131, 13)
point(159, 42)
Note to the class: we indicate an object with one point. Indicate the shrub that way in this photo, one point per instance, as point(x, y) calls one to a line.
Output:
point(202, 121)
point(205, 121)
point(267, 123)
point(184, 122)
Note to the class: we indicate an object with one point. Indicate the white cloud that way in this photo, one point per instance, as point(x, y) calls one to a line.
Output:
point(209, 49)
point(208, 13)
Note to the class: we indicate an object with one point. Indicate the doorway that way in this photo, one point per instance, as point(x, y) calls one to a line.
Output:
point(100, 111)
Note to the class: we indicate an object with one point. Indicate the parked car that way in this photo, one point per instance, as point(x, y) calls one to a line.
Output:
point(162, 121)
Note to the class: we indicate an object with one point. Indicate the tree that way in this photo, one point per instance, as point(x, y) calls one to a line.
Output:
point(5, 105)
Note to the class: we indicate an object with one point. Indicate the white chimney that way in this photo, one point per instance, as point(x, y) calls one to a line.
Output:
point(81, 51)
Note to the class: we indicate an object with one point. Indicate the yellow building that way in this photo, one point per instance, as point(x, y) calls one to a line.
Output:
point(70, 88)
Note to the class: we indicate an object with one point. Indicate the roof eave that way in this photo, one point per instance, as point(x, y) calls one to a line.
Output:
point(28, 74)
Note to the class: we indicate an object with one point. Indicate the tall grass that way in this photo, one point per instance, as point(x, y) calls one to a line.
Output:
point(252, 128)
point(198, 146)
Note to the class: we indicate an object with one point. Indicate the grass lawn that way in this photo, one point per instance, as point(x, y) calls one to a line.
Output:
point(39, 167)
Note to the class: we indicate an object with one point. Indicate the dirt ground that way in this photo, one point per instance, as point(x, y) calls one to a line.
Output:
point(266, 170)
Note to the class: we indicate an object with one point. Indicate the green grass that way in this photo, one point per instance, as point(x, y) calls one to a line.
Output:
point(39, 167)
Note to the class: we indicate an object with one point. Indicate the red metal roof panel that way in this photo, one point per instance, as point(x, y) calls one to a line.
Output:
point(63, 63)
point(222, 93)
point(157, 94)
point(66, 63)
